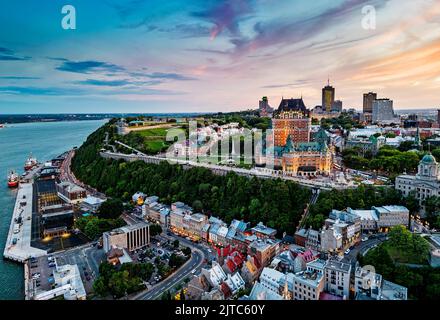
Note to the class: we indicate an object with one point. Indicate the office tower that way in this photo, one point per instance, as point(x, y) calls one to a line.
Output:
point(368, 102)
point(383, 110)
point(328, 97)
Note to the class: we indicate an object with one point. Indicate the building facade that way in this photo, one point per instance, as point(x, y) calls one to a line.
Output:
point(291, 119)
point(132, 237)
point(383, 110)
point(368, 102)
point(337, 278)
point(328, 97)
point(424, 184)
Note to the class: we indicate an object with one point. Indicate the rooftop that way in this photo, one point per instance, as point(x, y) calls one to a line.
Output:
point(338, 265)
point(261, 228)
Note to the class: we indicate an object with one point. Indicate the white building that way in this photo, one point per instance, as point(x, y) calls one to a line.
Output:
point(424, 184)
point(216, 275)
point(67, 283)
point(271, 279)
point(368, 219)
point(390, 216)
point(331, 240)
point(337, 278)
point(383, 110)
point(92, 203)
point(367, 283)
point(307, 285)
point(235, 282)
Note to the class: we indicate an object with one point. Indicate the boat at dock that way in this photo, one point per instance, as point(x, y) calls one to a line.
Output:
point(13, 179)
point(30, 163)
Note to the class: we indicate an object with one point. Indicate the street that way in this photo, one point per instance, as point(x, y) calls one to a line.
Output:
point(198, 256)
point(362, 248)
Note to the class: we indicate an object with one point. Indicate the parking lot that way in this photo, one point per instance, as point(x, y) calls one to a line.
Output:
point(41, 273)
point(157, 249)
point(88, 258)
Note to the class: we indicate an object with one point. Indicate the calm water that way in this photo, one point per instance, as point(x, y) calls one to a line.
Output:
point(45, 141)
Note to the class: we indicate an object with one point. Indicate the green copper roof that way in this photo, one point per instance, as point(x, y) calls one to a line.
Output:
point(428, 158)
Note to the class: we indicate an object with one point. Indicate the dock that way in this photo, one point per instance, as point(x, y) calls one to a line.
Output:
point(18, 244)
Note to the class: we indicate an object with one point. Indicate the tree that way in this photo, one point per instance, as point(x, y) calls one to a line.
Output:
point(176, 261)
point(100, 287)
point(111, 209)
point(197, 205)
point(92, 229)
point(155, 229)
point(182, 295)
point(119, 283)
point(166, 296)
point(176, 244)
point(186, 251)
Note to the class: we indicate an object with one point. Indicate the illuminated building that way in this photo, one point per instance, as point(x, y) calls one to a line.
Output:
point(368, 102)
point(304, 158)
point(328, 97)
point(291, 119)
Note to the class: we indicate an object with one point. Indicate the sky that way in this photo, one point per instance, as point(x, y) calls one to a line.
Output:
point(155, 56)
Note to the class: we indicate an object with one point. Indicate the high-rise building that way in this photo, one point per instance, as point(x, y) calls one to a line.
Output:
point(383, 110)
point(292, 118)
point(368, 102)
point(328, 97)
point(438, 116)
point(337, 106)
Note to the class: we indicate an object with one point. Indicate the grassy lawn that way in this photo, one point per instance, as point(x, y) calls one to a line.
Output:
point(157, 132)
point(404, 256)
point(155, 146)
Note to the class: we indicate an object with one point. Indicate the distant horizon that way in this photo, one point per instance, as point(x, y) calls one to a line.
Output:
point(152, 56)
point(187, 113)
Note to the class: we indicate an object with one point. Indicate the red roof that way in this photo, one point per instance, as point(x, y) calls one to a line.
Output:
point(238, 259)
point(226, 290)
point(231, 265)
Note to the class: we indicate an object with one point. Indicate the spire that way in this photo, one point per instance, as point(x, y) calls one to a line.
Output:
point(328, 80)
point(417, 141)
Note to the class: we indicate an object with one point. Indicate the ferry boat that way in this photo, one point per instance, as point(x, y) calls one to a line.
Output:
point(13, 179)
point(30, 163)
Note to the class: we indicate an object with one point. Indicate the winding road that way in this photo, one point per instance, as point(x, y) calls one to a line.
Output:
point(197, 260)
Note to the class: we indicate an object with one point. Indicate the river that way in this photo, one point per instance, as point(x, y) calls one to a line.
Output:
point(17, 141)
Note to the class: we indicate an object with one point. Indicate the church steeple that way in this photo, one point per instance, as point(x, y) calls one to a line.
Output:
point(417, 140)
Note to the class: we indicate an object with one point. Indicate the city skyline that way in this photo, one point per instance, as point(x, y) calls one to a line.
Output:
point(208, 56)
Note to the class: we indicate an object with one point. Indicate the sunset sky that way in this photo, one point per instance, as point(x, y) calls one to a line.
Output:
point(213, 55)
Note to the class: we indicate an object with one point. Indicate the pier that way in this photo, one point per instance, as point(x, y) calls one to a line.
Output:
point(18, 244)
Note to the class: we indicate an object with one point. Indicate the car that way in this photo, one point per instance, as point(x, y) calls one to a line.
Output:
point(364, 239)
point(86, 273)
point(194, 271)
point(88, 278)
point(347, 251)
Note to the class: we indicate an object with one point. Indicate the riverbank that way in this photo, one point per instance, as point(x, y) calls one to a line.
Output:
point(45, 141)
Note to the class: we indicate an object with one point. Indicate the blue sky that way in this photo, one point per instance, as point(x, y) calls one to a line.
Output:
point(214, 55)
